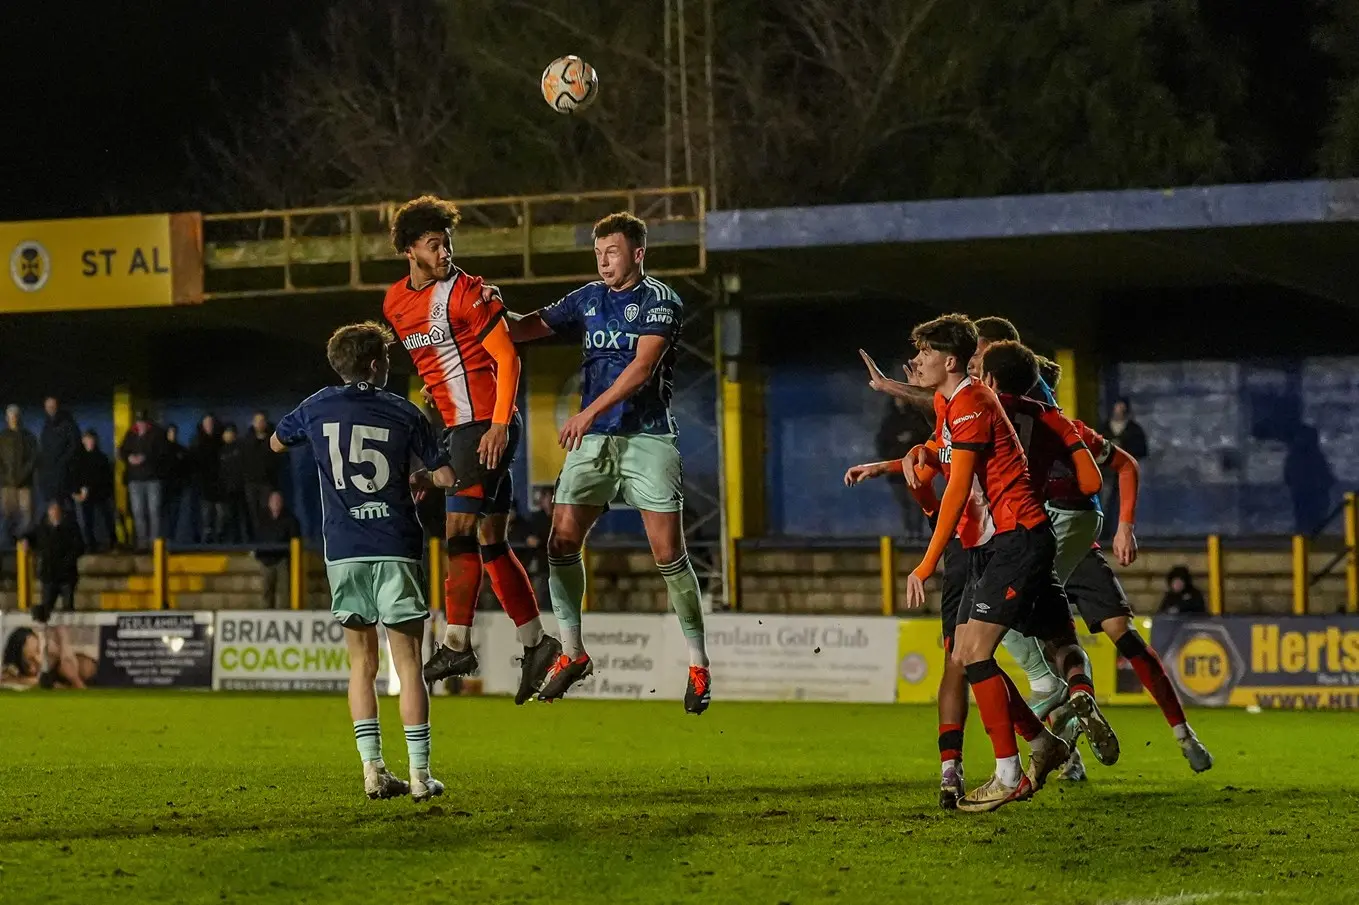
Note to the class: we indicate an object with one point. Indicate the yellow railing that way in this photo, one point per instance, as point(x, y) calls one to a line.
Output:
point(513, 239)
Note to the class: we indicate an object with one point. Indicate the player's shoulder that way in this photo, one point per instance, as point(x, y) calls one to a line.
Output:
point(973, 396)
point(397, 404)
point(658, 292)
point(325, 394)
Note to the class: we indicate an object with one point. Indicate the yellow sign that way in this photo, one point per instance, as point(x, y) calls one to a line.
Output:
point(920, 664)
point(108, 262)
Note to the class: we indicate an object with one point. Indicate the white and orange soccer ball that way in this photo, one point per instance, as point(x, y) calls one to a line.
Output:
point(569, 84)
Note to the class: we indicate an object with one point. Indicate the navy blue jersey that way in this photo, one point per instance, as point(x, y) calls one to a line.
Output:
point(611, 323)
point(365, 441)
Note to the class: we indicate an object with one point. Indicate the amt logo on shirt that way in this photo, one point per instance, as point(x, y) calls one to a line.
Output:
point(371, 510)
point(610, 339)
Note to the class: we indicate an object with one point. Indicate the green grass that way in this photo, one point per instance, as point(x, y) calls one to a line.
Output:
point(179, 797)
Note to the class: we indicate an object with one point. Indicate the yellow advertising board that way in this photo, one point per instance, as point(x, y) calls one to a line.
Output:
point(100, 263)
point(920, 663)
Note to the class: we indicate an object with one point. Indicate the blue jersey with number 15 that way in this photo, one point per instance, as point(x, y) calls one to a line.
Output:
point(365, 441)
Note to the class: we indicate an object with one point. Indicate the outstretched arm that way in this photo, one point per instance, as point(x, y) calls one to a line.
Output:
point(525, 328)
point(920, 397)
point(1129, 480)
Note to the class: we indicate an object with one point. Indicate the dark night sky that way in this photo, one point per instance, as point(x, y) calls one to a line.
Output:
point(101, 105)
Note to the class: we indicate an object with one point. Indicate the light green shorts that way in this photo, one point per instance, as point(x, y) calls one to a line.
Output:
point(645, 468)
point(366, 592)
point(1076, 530)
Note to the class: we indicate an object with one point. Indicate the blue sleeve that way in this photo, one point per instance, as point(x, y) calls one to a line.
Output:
point(425, 445)
point(292, 428)
point(1043, 393)
point(662, 312)
point(565, 312)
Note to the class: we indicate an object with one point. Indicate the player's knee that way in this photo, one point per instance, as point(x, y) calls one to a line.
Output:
point(1117, 627)
point(561, 544)
point(364, 667)
point(492, 530)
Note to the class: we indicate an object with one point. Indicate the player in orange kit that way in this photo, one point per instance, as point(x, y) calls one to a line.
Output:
point(454, 327)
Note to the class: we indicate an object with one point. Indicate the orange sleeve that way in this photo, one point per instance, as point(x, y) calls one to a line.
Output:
point(924, 494)
point(498, 344)
point(1129, 478)
point(950, 510)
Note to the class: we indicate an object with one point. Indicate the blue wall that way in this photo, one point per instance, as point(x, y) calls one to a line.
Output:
point(1243, 448)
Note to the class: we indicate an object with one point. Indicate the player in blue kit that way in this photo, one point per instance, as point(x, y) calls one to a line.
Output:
point(371, 447)
point(621, 441)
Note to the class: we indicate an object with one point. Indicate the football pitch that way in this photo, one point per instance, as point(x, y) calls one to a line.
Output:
point(194, 797)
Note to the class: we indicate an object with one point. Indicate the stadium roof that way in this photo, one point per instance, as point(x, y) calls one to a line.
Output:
point(1300, 235)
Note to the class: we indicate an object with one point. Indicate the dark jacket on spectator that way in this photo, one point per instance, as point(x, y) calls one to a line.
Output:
point(18, 457)
point(59, 550)
point(176, 469)
point(276, 531)
point(144, 439)
point(1190, 600)
point(231, 468)
point(205, 462)
point(259, 463)
point(91, 469)
point(57, 446)
point(902, 428)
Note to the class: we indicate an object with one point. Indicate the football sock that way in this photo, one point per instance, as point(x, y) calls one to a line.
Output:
point(1152, 674)
point(368, 737)
point(1021, 717)
point(993, 701)
point(1076, 666)
point(461, 588)
point(681, 584)
point(566, 584)
point(950, 746)
point(417, 746)
point(1028, 653)
point(512, 588)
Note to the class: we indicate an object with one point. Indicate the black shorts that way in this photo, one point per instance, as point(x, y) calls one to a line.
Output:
point(1095, 591)
point(477, 489)
point(955, 586)
point(1012, 584)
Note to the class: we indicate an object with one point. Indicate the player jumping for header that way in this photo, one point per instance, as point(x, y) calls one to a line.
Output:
point(454, 327)
point(365, 442)
point(623, 439)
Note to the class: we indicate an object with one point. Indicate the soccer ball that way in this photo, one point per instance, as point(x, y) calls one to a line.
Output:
point(569, 84)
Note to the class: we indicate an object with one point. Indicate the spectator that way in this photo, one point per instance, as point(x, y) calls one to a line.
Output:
point(1126, 433)
point(259, 466)
point(205, 464)
point(59, 547)
point(536, 528)
point(143, 449)
point(1181, 597)
point(91, 478)
point(1128, 436)
point(231, 525)
point(904, 426)
point(56, 448)
point(18, 461)
point(175, 475)
point(276, 528)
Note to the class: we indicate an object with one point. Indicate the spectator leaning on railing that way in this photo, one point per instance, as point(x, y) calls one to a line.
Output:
point(276, 528)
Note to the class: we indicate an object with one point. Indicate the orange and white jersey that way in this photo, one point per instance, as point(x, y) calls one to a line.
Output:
point(443, 327)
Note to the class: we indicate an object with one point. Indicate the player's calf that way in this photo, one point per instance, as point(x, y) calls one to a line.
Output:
point(1152, 674)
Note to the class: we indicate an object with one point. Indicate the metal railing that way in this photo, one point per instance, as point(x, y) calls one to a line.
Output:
point(514, 239)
